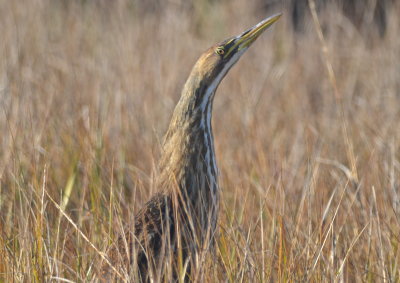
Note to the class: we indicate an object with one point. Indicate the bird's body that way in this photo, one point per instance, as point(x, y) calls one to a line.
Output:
point(176, 227)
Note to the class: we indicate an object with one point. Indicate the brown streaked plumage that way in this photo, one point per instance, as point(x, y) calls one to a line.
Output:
point(176, 227)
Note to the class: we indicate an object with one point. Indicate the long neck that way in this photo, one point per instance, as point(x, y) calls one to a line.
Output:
point(188, 159)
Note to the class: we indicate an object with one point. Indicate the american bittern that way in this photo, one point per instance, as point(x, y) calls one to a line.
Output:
point(174, 229)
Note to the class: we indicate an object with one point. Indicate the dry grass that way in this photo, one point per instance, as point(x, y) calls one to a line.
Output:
point(86, 92)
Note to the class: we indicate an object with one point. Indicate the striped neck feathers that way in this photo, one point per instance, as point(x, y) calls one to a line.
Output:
point(188, 158)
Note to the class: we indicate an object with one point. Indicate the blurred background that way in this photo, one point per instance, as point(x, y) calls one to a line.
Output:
point(309, 159)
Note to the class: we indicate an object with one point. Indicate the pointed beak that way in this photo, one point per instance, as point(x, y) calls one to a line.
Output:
point(245, 39)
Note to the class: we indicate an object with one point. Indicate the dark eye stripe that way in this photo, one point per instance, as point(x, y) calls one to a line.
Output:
point(229, 44)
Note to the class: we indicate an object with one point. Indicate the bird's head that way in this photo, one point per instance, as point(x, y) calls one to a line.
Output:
point(215, 63)
point(189, 136)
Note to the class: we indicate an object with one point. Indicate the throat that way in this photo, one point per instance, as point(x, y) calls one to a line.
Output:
point(201, 172)
point(209, 158)
point(188, 158)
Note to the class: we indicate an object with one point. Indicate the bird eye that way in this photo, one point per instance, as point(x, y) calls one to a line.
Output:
point(220, 51)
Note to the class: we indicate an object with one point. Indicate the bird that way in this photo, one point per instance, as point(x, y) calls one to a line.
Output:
point(176, 228)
